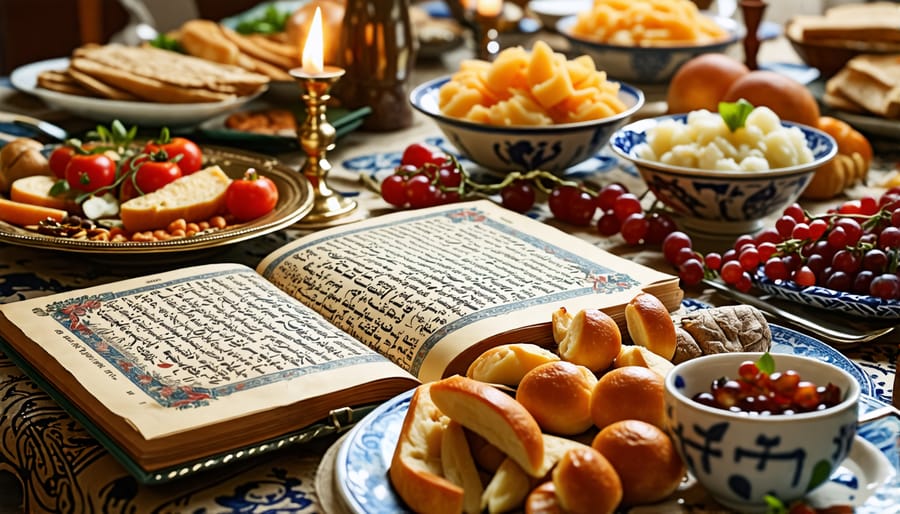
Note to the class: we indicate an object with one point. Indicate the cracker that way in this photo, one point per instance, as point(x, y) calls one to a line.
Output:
point(62, 82)
point(145, 87)
point(176, 69)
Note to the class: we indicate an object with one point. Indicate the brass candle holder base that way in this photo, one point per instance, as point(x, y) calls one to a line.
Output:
point(487, 29)
point(316, 137)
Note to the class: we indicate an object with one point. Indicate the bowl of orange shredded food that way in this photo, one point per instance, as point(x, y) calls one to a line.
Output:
point(528, 109)
point(646, 41)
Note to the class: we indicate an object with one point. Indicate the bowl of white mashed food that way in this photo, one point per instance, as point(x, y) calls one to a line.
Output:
point(724, 177)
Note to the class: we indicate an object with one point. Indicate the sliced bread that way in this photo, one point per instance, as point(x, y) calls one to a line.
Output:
point(194, 197)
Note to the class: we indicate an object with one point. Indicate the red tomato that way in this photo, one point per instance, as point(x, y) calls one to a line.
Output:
point(59, 159)
point(90, 172)
point(250, 197)
point(152, 175)
point(191, 155)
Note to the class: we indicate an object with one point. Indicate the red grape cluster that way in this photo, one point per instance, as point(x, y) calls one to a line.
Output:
point(853, 248)
point(758, 392)
point(427, 176)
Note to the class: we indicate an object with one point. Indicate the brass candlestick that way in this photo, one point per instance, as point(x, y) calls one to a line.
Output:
point(317, 137)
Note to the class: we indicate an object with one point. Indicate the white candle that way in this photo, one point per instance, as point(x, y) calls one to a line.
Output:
point(313, 49)
point(489, 8)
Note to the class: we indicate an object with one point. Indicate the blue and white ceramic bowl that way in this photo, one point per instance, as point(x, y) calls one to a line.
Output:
point(722, 202)
point(645, 64)
point(523, 148)
point(740, 458)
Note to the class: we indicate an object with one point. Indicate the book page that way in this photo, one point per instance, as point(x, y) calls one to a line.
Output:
point(422, 286)
point(184, 349)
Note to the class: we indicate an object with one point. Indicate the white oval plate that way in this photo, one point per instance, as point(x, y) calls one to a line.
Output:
point(144, 114)
point(364, 457)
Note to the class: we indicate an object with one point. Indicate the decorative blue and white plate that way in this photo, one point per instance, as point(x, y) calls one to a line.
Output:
point(867, 479)
point(823, 298)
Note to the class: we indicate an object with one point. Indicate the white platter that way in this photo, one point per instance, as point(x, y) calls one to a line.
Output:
point(867, 479)
point(143, 114)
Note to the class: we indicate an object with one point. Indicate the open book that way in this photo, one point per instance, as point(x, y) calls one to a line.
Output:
point(179, 371)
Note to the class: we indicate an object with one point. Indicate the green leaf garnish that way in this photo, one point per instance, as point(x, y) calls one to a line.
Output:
point(766, 364)
point(774, 505)
point(735, 113)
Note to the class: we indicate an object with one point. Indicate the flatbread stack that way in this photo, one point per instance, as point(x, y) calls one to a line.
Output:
point(255, 52)
point(150, 74)
point(872, 27)
point(867, 84)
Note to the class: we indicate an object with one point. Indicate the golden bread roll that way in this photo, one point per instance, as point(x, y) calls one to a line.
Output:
point(542, 500)
point(508, 363)
point(558, 395)
point(494, 415)
point(486, 455)
point(459, 467)
point(592, 339)
point(194, 197)
point(631, 392)
point(554, 449)
point(19, 158)
point(560, 321)
point(416, 468)
point(632, 355)
point(586, 483)
point(507, 489)
point(650, 325)
point(35, 189)
point(644, 458)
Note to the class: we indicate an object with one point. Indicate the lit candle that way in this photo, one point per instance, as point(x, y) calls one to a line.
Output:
point(469, 5)
point(489, 8)
point(313, 49)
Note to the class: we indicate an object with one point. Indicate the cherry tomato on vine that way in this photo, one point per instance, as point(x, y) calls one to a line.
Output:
point(393, 190)
point(152, 175)
point(191, 158)
point(250, 197)
point(59, 159)
point(90, 172)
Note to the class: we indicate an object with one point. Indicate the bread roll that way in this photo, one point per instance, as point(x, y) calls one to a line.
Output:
point(632, 355)
point(542, 500)
point(486, 455)
point(558, 395)
point(644, 458)
point(19, 158)
point(507, 489)
point(631, 392)
point(592, 339)
point(508, 363)
point(650, 325)
point(193, 197)
point(494, 415)
point(36, 190)
point(586, 483)
point(416, 468)
point(458, 466)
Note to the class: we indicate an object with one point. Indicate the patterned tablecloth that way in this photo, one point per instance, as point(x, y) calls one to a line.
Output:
point(62, 469)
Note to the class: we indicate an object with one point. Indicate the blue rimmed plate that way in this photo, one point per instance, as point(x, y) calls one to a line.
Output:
point(823, 298)
point(867, 478)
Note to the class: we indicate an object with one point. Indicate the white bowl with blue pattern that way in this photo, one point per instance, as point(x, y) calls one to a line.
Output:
point(721, 202)
point(740, 458)
point(551, 148)
point(646, 64)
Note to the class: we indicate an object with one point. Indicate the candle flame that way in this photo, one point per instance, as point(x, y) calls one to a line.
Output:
point(313, 49)
point(489, 7)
